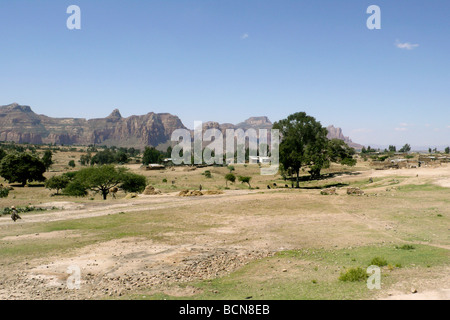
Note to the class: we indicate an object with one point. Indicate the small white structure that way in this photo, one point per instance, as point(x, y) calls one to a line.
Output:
point(256, 160)
point(264, 160)
point(253, 160)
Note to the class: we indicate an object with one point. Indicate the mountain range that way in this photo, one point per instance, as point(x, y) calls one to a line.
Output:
point(18, 123)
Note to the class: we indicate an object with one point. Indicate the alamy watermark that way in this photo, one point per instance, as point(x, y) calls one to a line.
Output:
point(74, 280)
point(374, 280)
point(191, 150)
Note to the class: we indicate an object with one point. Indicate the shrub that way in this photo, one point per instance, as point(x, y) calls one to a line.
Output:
point(380, 262)
point(245, 180)
point(406, 247)
point(4, 192)
point(71, 164)
point(208, 174)
point(354, 275)
point(76, 189)
point(230, 177)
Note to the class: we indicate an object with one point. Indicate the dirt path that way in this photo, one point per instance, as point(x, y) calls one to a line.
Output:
point(141, 203)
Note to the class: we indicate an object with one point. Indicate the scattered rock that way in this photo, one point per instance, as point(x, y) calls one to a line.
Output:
point(355, 191)
point(187, 193)
point(328, 191)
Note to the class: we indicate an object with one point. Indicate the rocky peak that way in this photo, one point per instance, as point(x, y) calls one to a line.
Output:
point(115, 115)
point(15, 107)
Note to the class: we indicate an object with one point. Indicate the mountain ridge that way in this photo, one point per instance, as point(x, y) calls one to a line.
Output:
point(20, 124)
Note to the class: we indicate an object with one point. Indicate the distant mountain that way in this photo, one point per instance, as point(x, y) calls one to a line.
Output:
point(20, 124)
point(251, 123)
point(336, 133)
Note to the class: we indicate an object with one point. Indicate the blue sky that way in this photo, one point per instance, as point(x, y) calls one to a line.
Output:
point(230, 60)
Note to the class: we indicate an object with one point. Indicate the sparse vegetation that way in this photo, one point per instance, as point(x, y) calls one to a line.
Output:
point(380, 262)
point(354, 275)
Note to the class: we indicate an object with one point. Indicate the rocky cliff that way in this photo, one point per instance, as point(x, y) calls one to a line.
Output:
point(20, 124)
point(336, 133)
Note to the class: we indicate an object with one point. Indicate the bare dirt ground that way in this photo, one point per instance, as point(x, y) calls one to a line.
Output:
point(120, 266)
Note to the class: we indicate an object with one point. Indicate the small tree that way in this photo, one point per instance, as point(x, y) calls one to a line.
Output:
point(103, 179)
point(447, 150)
point(405, 148)
point(208, 174)
point(71, 164)
point(245, 180)
point(230, 177)
point(231, 168)
point(57, 183)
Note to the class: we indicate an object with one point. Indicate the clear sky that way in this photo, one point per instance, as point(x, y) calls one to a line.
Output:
point(229, 60)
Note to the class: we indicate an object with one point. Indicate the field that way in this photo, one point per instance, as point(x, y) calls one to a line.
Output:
point(257, 243)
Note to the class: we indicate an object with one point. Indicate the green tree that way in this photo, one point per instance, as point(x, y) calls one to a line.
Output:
point(405, 148)
point(247, 180)
point(151, 155)
point(231, 168)
point(57, 183)
point(85, 159)
point(304, 143)
point(132, 182)
point(340, 152)
point(76, 188)
point(103, 157)
point(102, 179)
point(447, 150)
point(22, 168)
point(47, 159)
point(392, 149)
point(230, 177)
point(71, 164)
point(121, 157)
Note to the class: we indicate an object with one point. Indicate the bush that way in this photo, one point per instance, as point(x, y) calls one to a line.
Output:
point(208, 174)
point(354, 275)
point(245, 180)
point(406, 247)
point(7, 211)
point(4, 192)
point(380, 262)
point(71, 164)
point(132, 182)
point(76, 189)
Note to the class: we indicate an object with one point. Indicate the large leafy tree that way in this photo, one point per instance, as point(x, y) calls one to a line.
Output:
point(304, 144)
point(22, 168)
point(104, 178)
